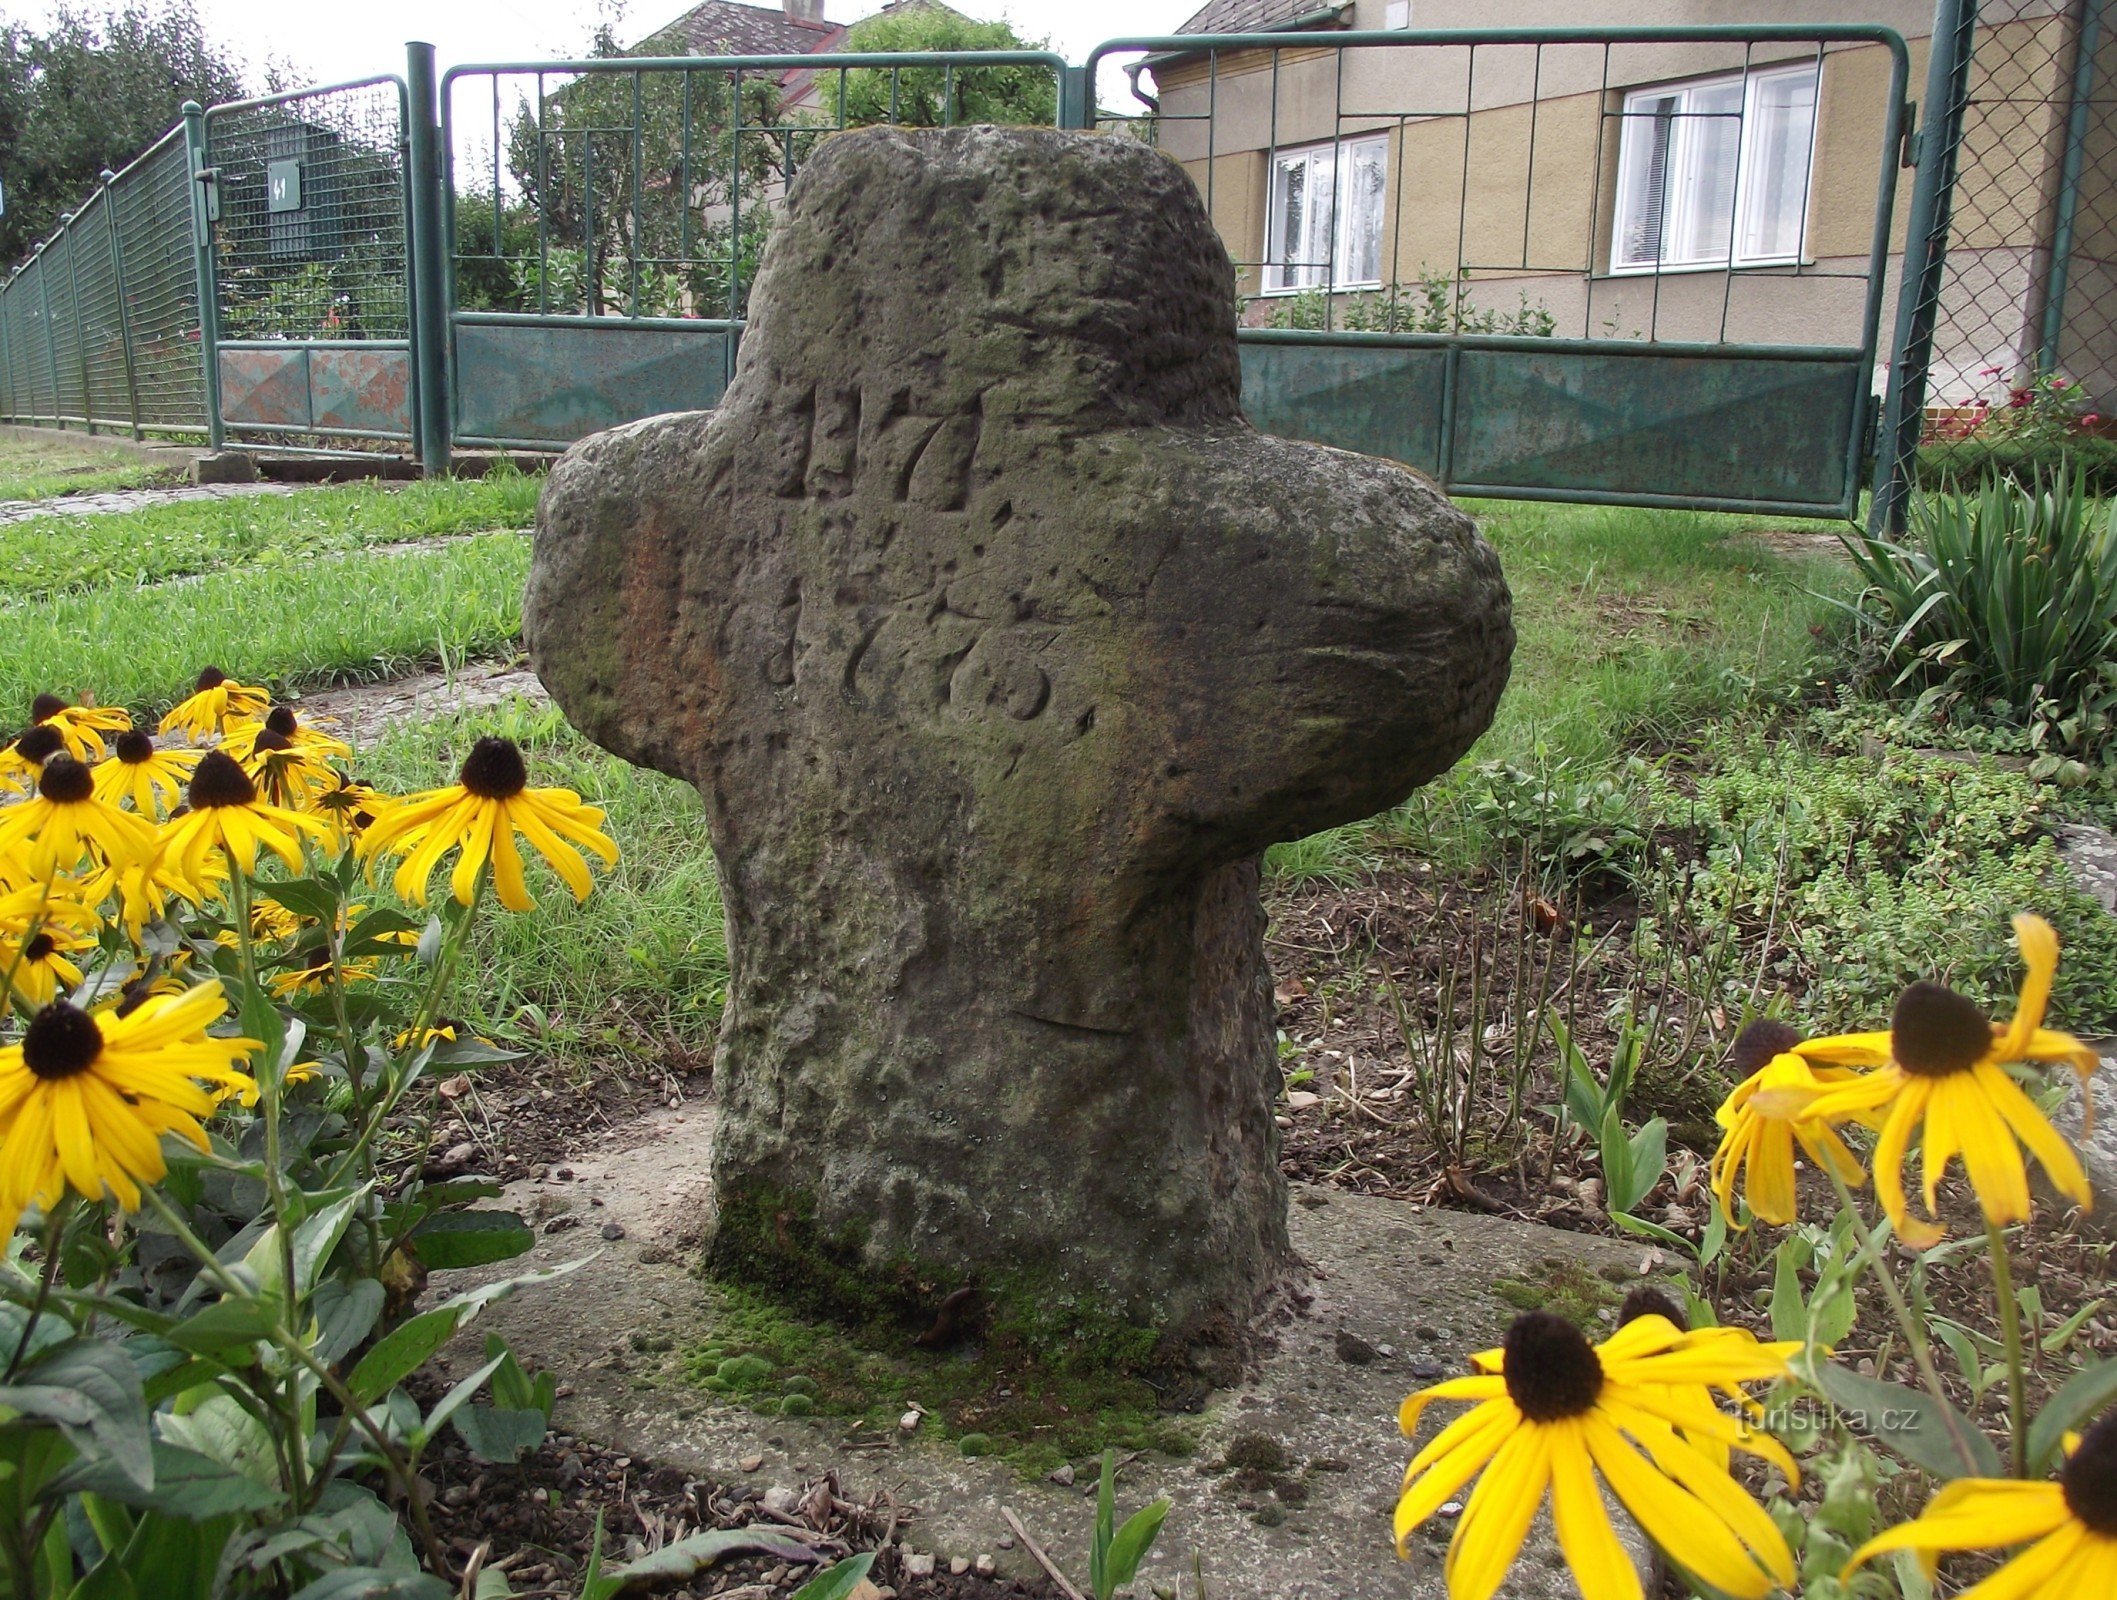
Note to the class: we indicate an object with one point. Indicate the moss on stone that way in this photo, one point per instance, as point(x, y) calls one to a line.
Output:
point(1037, 1414)
point(1565, 1288)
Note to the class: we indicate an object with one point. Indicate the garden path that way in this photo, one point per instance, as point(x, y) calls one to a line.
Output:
point(112, 500)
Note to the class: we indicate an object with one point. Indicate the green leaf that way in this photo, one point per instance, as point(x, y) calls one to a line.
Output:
point(595, 1583)
point(1132, 1543)
point(91, 1392)
point(345, 1314)
point(1715, 1239)
point(1648, 1157)
point(305, 897)
point(452, 1402)
point(314, 1240)
point(2080, 1398)
point(402, 1351)
point(186, 1484)
point(1789, 1312)
point(376, 1583)
point(501, 1434)
point(370, 935)
point(1616, 1160)
point(1911, 1423)
point(842, 1579)
point(224, 1325)
point(686, 1558)
point(471, 1238)
point(1654, 1231)
point(1105, 1529)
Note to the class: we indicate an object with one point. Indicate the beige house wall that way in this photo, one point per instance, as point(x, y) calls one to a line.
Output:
point(1521, 191)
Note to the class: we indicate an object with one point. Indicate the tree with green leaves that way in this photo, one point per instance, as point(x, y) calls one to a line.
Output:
point(932, 97)
point(92, 91)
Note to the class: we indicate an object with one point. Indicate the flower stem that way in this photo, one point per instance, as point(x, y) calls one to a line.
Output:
point(2010, 1330)
point(54, 1234)
point(1914, 1330)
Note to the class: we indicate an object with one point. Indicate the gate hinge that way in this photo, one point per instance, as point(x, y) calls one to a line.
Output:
point(1914, 142)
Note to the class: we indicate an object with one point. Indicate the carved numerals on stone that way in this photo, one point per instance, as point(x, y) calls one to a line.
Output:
point(831, 444)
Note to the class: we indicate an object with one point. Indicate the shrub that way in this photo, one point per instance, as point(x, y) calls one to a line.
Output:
point(2007, 595)
point(1962, 464)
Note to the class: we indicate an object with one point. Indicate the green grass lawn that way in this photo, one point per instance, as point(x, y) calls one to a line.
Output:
point(38, 467)
point(1654, 649)
point(62, 552)
point(298, 623)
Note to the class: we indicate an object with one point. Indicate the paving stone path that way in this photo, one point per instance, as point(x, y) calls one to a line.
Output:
point(91, 505)
point(362, 712)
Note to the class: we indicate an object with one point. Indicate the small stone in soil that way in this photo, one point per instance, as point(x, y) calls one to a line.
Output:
point(918, 1564)
point(958, 1567)
point(1427, 1370)
point(986, 1566)
point(612, 1231)
point(1353, 1349)
point(1063, 1477)
point(751, 1463)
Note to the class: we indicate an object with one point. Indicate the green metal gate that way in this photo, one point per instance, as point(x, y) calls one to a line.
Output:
point(652, 180)
point(306, 267)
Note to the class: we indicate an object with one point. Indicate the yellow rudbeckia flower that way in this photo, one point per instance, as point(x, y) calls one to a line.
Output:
point(215, 701)
point(1766, 1116)
point(228, 819)
point(21, 761)
point(66, 825)
point(80, 728)
point(153, 780)
point(482, 814)
point(1558, 1413)
point(86, 1096)
point(2069, 1526)
point(1941, 1065)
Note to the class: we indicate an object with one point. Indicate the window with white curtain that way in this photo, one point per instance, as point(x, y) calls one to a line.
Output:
point(1714, 173)
point(1324, 225)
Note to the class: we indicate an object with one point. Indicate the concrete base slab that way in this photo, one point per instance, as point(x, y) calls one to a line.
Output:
point(1401, 1296)
point(226, 466)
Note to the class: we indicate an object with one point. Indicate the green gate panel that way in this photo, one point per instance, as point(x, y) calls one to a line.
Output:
point(268, 388)
point(528, 383)
point(1380, 400)
point(331, 386)
point(361, 390)
point(1733, 429)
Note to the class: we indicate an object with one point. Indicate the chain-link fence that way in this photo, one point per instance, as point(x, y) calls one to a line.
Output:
point(2027, 318)
point(100, 328)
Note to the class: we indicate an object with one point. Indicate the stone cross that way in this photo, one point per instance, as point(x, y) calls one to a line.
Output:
point(1000, 646)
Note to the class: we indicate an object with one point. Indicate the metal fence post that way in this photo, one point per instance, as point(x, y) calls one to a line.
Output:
point(2087, 40)
point(430, 312)
point(73, 290)
point(117, 278)
point(1076, 107)
point(51, 337)
point(1925, 260)
point(209, 311)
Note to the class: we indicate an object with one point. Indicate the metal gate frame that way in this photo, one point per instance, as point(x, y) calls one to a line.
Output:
point(304, 386)
point(485, 349)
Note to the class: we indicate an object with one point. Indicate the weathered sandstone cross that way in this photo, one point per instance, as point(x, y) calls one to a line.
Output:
point(999, 646)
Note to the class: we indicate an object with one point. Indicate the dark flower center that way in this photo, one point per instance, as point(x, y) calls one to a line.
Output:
point(209, 678)
point(220, 782)
point(40, 743)
point(39, 947)
point(494, 769)
point(281, 721)
point(1647, 1301)
point(60, 1042)
point(133, 747)
point(65, 780)
point(1756, 1044)
point(1936, 1032)
point(1552, 1371)
point(45, 707)
point(2090, 1478)
point(271, 739)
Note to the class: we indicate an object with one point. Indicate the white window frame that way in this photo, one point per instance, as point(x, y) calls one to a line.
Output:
point(1637, 124)
point(1308, 271)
